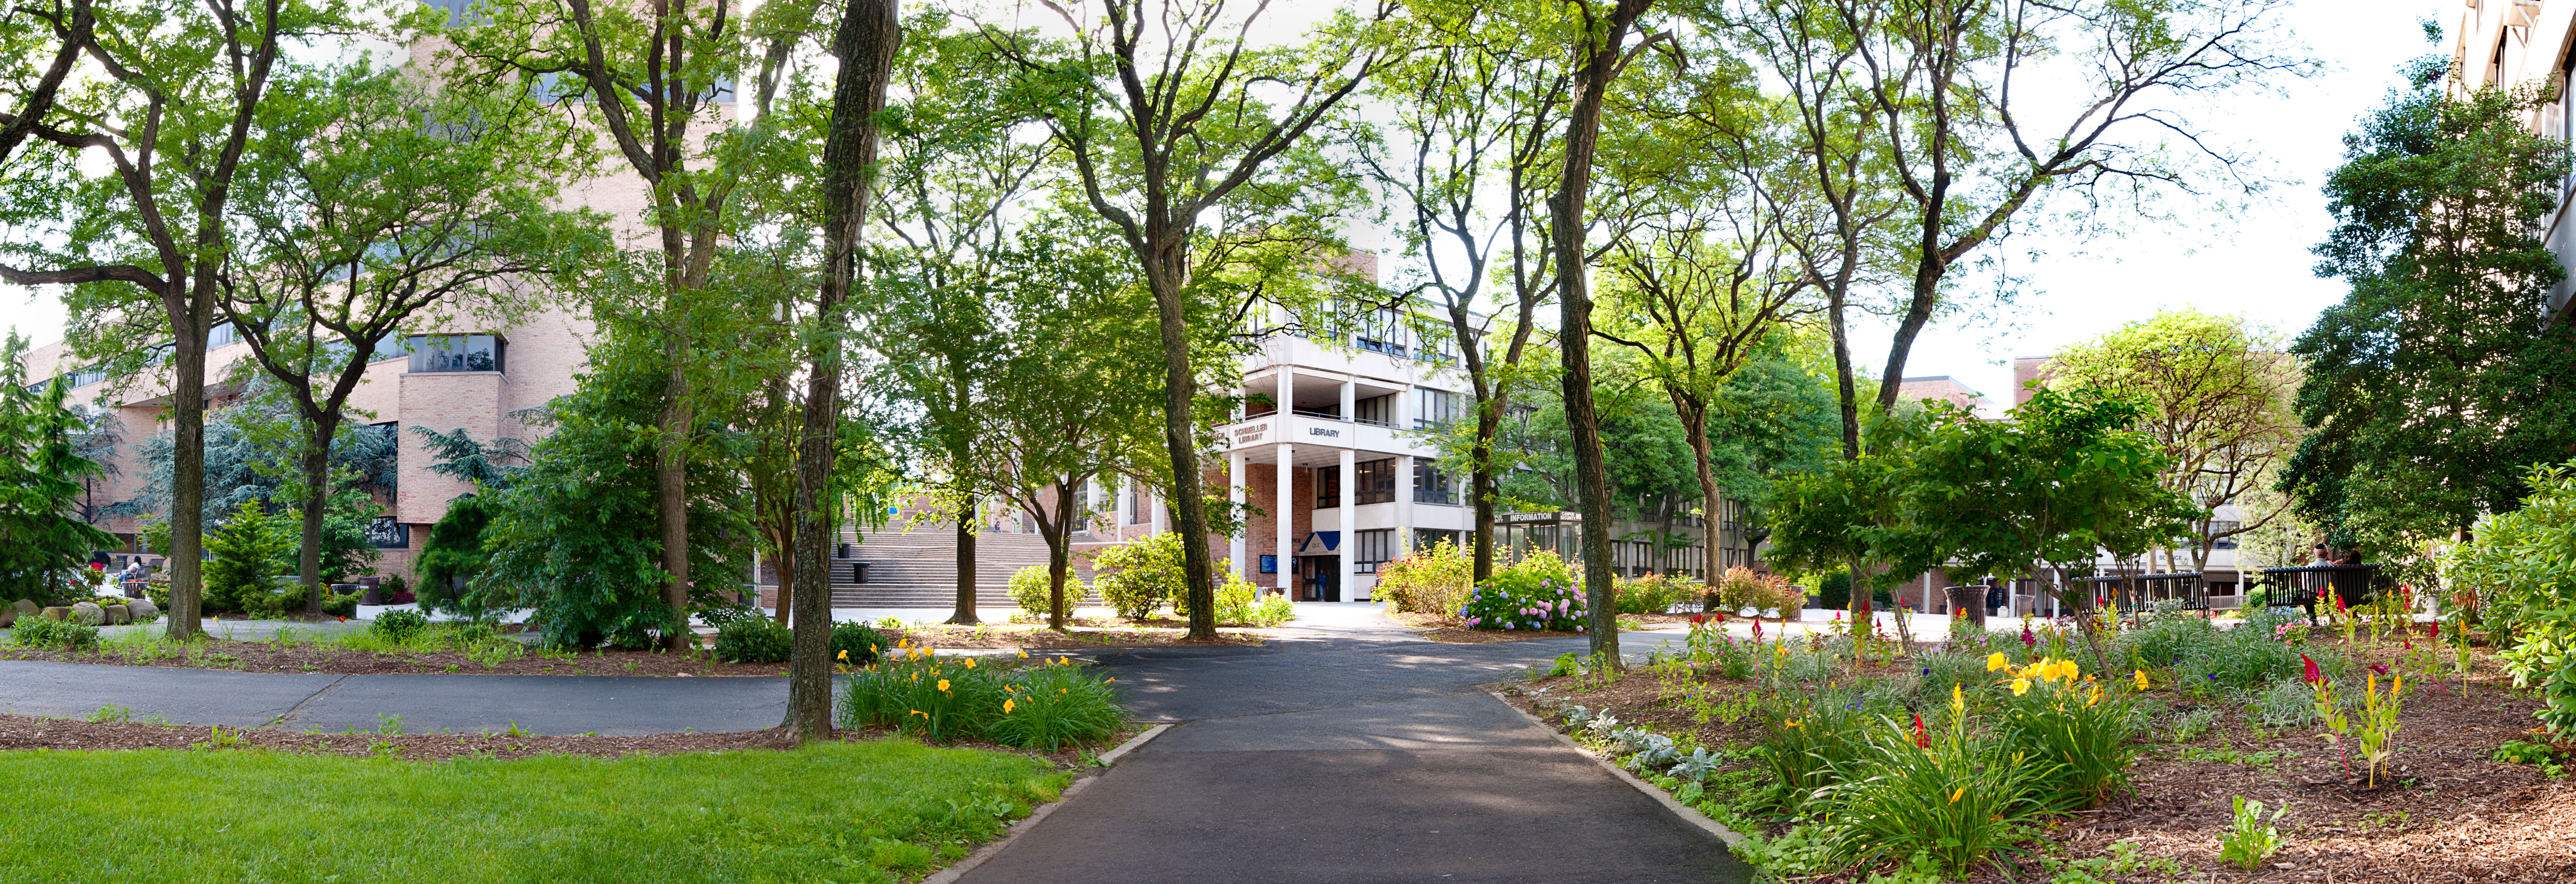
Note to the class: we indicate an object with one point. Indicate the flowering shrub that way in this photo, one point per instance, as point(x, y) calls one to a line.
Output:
point(1538, 592)
point(1432, 581)
point(1743, 587)
point(1138, 576)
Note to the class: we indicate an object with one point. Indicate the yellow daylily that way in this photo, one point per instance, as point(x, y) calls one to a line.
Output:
point(2140, 676)
point(970, 662)
point(1024, 655)
point(943, 684)
point(1955, 795)
point(844, 655)
point(2096, 698)
point(1006, 707)
point(1996, 661)
point(1792, 722)
point(2020, 686)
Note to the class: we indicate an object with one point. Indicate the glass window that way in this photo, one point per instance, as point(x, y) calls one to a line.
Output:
point(1378, 332)
point(1375, 547)
point(1426, 538)
point(1376, 481)
point(1430, 485)
point(1433, 407)
point(1379, 410)
point(444, 353)
point(1328, 487)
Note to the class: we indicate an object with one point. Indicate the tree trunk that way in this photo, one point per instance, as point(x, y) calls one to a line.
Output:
point(1712, 503)
point(1849, 398)
point(1600, 61)
point(865, 45)
point(1189, 511)
point(188, 466)
point(784, 542)
point(317, 488)
point(1059, 543)
point(671, 494)
point(966, 531)
point(1487, 485)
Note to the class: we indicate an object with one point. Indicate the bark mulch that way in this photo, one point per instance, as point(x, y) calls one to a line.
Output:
point(19, 732)
point(1453, 631)
point(1080, 632)
point(322, 657)
point(2448, 813)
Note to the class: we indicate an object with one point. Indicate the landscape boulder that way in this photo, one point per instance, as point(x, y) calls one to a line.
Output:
point(56, 613)
point(143, 610)
point(117, 615)
point(88, 614)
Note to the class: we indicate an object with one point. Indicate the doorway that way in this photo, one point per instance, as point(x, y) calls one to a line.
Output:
point(1319, 578)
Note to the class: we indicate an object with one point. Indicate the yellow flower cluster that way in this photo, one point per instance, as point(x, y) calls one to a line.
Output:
point(2043, 670)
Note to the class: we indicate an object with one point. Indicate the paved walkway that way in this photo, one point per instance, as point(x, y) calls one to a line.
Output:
point(1362, 756)
point(1345, 750)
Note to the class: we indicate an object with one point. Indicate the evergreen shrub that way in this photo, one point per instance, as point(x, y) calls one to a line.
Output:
point(755, 640)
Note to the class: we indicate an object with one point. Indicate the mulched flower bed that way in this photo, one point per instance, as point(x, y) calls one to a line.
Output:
point(37, 732)
point(1453, 631)
point(2449, 812)
point(260, 656)
point(1081, 632)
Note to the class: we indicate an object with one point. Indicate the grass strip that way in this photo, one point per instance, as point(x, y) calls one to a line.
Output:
point(875, 811)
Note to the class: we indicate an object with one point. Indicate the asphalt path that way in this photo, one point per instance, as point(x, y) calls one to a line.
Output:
point(1352, 761)
point(1342, 751)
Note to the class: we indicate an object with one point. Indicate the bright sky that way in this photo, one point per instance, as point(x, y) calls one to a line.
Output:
point(2254, 264)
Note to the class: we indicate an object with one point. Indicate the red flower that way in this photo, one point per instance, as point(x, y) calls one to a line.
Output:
point(1921, 739)
point(2338, 597)
point(2312, 676)
point(2437, 630)
point(2028, 640)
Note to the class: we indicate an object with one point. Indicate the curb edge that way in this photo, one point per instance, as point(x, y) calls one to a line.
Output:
point(1687, 813)
point(993, 848)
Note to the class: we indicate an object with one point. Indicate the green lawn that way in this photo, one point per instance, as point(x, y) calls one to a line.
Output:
point(871, 812)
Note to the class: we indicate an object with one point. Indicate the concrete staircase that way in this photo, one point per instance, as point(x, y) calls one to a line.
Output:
point(918, 569)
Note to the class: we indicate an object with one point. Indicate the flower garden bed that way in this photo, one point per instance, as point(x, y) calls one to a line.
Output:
point(332, 656)
point(2444, 809)
point(1080, 632)
point(1455, 631)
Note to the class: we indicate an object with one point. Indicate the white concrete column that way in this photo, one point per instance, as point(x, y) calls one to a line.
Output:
point(1350, 510)
point(1286, 517)
point(1287, 401)
point(1234, 491)
point(1153, 509)
point(1118, 504)
point(1350, 401)
point(1403, 505)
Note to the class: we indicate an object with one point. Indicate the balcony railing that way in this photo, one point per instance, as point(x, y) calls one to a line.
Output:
point(1322, 414)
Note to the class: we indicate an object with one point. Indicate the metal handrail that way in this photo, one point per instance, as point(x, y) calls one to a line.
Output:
point(1304, 413)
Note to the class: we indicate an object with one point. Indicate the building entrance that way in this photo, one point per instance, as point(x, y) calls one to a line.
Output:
point(1319, 578)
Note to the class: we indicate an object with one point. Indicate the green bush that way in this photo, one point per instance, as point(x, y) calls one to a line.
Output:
point(1431, 581)
point(46, 632)
point(1810, 746)
point(1271, 610)
point(755, 640)
point(1653, 593)
point(1044, 704)
point(1239, 604)
point(1538, 592)
point(1137, 577)
point(856, 644)
point(1032, 592)
point(339, 604)
point(399, 625)
point(720, 616)
point(249, 551)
